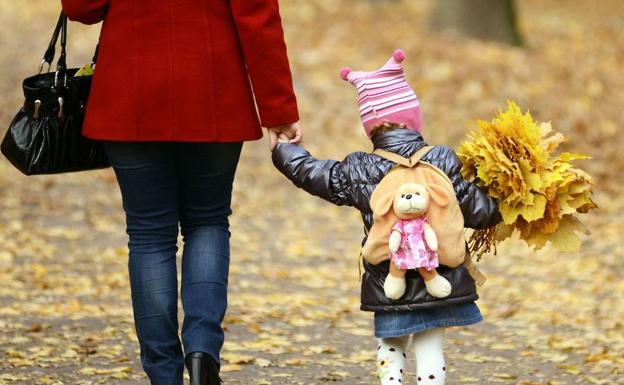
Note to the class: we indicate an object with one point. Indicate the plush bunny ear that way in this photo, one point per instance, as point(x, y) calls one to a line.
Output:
point(383, 204)
point(438, 194)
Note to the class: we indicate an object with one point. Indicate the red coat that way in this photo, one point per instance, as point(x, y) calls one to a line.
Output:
point(180, 70)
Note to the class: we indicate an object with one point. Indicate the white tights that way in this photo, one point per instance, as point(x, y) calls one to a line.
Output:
point(428, 348)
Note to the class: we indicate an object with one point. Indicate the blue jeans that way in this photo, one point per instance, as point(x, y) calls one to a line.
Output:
point(163, 185)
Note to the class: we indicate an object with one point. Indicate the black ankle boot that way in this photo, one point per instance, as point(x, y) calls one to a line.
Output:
point(202, 369)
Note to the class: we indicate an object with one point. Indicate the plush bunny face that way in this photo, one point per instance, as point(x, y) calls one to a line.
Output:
point(411, 200)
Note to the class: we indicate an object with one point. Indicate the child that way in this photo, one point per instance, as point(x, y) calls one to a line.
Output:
point(392, 118)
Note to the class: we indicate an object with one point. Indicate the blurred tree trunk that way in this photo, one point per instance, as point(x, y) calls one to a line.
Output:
point(481, 19)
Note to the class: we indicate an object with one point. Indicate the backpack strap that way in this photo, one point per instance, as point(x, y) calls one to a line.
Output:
point(473, 270)
point(407, 162)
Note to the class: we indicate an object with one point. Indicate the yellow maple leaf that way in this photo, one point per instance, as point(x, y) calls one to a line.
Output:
point(513, 158)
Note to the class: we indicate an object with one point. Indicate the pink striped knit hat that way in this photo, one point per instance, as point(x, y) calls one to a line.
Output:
point(384, 95)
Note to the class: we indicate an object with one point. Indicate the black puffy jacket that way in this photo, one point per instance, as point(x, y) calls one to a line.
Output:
point(352, 181)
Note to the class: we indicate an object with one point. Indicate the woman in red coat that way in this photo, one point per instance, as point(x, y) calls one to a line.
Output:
point(173, 97)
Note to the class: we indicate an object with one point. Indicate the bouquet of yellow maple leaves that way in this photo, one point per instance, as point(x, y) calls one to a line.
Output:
point(514, 159)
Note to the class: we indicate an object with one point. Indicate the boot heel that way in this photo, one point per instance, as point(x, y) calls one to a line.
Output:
point(202, 369)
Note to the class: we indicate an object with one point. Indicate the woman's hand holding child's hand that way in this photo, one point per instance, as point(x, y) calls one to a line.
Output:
point(292, 133)
point(283, 139)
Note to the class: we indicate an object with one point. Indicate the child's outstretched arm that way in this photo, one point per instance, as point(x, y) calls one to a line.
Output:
point(322, 178)
point(479, 209)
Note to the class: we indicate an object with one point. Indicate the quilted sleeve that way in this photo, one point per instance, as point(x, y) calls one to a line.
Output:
point(322, 178)
point(479, 209)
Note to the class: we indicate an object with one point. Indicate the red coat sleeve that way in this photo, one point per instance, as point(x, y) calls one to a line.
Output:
point(261, 36)
point(85, 11)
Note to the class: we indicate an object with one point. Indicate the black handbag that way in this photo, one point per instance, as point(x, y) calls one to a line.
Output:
point(45, 135)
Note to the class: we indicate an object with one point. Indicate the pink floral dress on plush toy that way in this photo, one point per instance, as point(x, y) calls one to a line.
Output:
point(413, 251)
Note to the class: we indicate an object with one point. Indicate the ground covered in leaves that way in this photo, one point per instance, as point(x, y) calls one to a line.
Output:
point(65, 315)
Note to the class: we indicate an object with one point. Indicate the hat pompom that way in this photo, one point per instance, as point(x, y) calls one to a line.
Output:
point(399, 55)
point(344, 73)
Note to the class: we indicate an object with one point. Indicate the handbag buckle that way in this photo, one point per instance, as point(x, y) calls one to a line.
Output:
point(37, 105)
point(61, 113)
point(41, 66)
point(56, 79)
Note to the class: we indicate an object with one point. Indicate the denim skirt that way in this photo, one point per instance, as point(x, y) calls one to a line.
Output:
point(401, 323)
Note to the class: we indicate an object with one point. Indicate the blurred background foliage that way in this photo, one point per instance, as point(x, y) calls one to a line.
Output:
point(567, 71)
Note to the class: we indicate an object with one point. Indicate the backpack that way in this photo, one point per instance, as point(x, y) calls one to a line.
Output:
point(447, 220)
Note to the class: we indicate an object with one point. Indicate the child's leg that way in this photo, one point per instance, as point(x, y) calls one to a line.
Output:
point(391, 359)
point(430, 366)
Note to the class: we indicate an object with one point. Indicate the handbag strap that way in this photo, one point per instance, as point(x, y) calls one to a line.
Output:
point(95, 54)
point(61, 66)
point(48, 56)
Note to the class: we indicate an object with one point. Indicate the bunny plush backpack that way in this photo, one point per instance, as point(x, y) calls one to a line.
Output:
point(444, 216)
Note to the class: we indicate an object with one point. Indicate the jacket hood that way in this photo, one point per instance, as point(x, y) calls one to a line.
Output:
point(400, 141)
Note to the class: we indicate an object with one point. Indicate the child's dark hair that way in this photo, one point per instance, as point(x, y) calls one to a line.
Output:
point(385, 127)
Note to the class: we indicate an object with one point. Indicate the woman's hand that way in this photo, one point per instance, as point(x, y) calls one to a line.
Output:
point(292, 131)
